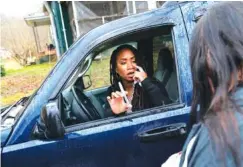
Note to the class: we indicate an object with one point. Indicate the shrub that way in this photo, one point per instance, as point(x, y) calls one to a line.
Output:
point(3, 72)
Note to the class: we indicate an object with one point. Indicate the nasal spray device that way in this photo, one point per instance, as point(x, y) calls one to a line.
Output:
point(123, 91)
point(124, 96)
point(140, 70)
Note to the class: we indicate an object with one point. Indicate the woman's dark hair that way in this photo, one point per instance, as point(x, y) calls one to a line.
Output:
point(115, 78)
point(216, 56)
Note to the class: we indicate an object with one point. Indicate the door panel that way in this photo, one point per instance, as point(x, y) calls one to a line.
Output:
point(100, 94)
point(33, 153)
point(118, 144)
point(114, 144)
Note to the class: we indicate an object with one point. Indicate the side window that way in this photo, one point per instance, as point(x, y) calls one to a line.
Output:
point(99, 70)
point(161, 42)
point(85, 95)
point(164, 65)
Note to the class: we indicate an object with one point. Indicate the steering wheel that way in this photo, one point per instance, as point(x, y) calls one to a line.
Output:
point(85, 103)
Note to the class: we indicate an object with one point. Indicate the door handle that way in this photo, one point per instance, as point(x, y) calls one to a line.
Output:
point(164, 132)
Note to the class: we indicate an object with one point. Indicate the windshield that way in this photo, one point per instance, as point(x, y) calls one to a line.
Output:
point(9, 114)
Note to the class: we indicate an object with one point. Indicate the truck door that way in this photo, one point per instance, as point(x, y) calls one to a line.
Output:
point(142, 138)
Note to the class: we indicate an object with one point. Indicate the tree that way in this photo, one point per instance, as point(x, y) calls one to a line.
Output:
point(18, 38)
point(3, 73)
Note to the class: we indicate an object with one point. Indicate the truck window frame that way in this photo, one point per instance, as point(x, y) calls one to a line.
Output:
point(141, 113)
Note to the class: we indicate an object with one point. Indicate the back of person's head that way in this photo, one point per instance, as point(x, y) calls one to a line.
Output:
point(216, 52)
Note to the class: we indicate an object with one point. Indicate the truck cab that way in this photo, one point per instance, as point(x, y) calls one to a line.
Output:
point(64, 122)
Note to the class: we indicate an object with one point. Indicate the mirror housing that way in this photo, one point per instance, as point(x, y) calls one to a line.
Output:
point(87, 81)
point(50, 125)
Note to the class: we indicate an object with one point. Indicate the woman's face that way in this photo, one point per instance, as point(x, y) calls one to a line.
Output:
point(126, 65)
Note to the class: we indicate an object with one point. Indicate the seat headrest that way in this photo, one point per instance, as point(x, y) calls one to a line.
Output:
point(165, 60)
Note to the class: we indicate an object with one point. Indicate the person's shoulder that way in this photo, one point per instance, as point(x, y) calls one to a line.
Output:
point(201, 148)
point(237, 96)
point(239, 118)
point(199, 130)
point(152, 80)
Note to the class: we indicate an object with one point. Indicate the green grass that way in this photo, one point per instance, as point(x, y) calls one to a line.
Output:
point(22, 82)
point(13, 98)
point(99, 73)
point(31, 70)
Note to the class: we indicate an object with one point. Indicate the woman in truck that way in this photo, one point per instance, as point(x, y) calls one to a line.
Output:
point(140, 90)
point(216, 55)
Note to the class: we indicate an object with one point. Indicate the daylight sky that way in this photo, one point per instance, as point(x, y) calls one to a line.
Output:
point(20, 8)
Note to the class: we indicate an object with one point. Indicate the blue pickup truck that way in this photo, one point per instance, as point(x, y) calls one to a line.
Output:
point(64, 122)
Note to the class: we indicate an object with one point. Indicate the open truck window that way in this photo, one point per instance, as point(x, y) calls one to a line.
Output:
point(86, 94)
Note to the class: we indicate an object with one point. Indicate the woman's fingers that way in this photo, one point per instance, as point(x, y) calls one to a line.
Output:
point(108, 98)
point(119, 94)
point(140, 69)
point(139, 76)
point(114, 95)
point(116, 98)
point(117, 103)
point(136, 76)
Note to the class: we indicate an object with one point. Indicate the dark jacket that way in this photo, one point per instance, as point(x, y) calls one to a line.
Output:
point(153, 94)
point(202, 153)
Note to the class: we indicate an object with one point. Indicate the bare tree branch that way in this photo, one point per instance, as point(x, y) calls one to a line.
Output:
point(18, 38)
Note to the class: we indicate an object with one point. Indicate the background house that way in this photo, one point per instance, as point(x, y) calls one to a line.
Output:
point(72, 19)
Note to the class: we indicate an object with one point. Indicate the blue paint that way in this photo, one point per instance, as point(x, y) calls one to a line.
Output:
point(114, 142)
point(5, 133)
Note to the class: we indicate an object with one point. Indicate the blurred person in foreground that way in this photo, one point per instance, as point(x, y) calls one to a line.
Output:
point(216, 57)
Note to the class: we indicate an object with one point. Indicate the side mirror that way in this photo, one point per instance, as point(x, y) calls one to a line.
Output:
point(50, 125)
point(87, 81)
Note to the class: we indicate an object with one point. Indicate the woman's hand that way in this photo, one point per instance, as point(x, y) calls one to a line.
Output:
point(140, 75)
point(117, 103)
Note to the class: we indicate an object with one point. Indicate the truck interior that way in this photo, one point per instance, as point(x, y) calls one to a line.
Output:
point(83, 98)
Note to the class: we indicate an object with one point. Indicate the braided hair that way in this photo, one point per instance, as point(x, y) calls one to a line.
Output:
point(138, 98)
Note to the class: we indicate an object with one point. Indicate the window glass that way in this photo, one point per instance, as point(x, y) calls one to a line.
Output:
point(159, 3)
point(99, 70)
point(160, 42)
point(141, 6)
point(164, 65)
